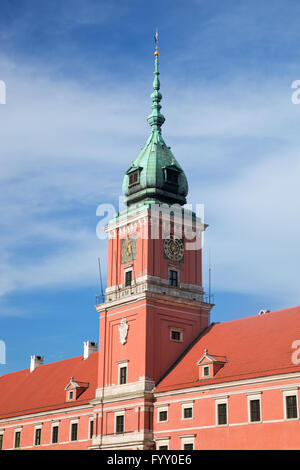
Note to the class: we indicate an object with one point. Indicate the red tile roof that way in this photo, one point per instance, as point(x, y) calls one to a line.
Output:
point(255, 346)
point(26, 392)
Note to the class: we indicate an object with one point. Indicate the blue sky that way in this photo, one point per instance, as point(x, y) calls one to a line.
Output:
point(78, 78)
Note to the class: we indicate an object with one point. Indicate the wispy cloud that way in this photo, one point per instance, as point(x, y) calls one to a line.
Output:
point(65, 145)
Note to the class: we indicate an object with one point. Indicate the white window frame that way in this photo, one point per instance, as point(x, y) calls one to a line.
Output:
point(221, 401)
point(53, 425)
point(184, 406)
point(288, 393)
point(71, 398)
point(162, 441)
point(187, 439)
point(15, 431)
point(119, 413)
point(159, 410)
point(126, 270)
point(250, 397)
point(2, 434)
point(36, 427)
point(122, 364)
point(74, 421)
point(178, 330)
point(203, 370)
point(91, 420)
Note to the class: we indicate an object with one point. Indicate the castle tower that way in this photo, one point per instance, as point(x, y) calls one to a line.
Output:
point(154, 301)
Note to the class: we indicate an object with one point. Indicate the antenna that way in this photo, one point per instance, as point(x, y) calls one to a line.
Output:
point(100, 276)
point(209, 276)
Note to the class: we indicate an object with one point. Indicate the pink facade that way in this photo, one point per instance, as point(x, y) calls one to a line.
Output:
point(164, 376)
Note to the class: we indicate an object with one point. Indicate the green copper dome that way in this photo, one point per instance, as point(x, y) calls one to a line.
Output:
point(155, 176)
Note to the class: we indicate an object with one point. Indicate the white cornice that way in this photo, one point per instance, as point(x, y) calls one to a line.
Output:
point(236, 383)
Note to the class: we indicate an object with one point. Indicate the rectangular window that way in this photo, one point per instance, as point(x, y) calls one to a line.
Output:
point(74, 431)
point(128, 278)
point(291, 407)
point(173, 278)
point(188, 446)
point(91, 430)
point(55, 434)
point(206, 371)
point(1, 441)
point(123, 375)
point(119, 424)
point(38, 435)
point(17, 439)
point(172, 175)
point(254, 410)
point(222, 413)
point(188, 413)
point(176, 335)
point(133, 177)
point(163, 448)
point(163, 415)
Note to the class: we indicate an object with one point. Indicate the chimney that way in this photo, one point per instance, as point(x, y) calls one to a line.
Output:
point(36, 361)
point(89, 347)
point(262, 312)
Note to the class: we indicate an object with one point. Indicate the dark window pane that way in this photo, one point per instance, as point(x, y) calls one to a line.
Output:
point(188, 447)
point(172, 176)
point(123, 375)
point(188, 412)
point(38, 433)
point(91, 428)
point(173, 278)
point(74, 430)
point(222, 413)
point(255, 410)
point(176, 335)
point(1, 441)
point(128, 278)
point(54, 434)
point(163, 448)
point(17, 439)
point(163, 416)
point(291, 407)
point(120, 424)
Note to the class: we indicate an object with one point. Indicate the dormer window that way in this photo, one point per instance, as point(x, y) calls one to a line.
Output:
point(133, 175)
point(171, 174)
point(134, 178)
point(210, 364)
point(74, 389)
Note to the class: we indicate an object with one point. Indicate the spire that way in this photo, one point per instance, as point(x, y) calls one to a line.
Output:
point(156, 119)
point(155, 176)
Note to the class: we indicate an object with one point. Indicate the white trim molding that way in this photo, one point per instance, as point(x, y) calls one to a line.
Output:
point(221, 401)
point(291, 391)
point(160, 409)
point(251, 396)
point(187, 439)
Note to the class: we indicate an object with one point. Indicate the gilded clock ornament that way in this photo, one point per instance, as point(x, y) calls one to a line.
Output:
point(174, 248)
point(128, 249)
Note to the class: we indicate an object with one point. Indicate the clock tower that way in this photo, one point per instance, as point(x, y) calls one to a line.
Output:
point(154, 301)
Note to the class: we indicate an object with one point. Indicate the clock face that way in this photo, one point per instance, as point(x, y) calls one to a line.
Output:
point(174, 248)
point(128, 249)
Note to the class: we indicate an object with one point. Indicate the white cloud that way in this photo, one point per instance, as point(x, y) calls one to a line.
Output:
point(64, 147)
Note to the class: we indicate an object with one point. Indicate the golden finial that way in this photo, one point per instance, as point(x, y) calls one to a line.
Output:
point(156, 53)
